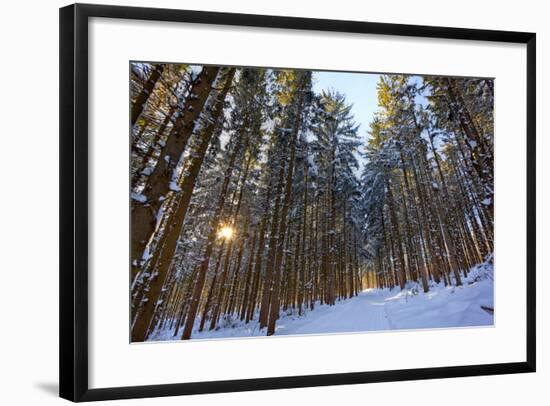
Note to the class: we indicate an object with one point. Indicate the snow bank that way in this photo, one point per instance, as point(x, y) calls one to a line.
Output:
point(454, 306)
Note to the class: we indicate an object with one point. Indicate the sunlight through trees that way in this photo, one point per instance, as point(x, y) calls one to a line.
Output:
point(252, 194)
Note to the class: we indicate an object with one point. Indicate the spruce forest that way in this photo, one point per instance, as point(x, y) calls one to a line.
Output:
point(263, 203)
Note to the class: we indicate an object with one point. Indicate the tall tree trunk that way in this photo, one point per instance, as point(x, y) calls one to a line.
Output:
point(259, 256)
point(274, 309)
point(141, 100)
point(482, 158)
point(203, 266)
point(248, 281)
point(145, 209)
point(395, 226)
point(167, 251)
point(301, 290)
point(267, 285)
point(212, 289)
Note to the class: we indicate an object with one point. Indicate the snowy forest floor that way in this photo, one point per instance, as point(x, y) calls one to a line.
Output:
point(377, 309)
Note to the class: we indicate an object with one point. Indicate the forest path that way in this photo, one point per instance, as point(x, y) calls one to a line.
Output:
point(365, 312)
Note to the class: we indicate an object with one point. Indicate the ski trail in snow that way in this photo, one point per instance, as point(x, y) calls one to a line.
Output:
point(362, 313)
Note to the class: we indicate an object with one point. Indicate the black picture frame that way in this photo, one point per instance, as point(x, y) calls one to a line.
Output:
point(74, 201)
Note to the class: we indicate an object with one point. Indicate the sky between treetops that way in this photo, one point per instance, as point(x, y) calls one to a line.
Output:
point(359, 89)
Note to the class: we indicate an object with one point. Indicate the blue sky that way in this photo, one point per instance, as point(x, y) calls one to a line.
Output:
point(359, 89)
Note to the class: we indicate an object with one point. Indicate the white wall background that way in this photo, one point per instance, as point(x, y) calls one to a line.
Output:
point(29, 202)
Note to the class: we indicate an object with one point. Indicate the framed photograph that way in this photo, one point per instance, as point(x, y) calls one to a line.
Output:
point(256, 202)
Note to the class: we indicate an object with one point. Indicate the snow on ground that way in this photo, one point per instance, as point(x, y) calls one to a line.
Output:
point(379, 309)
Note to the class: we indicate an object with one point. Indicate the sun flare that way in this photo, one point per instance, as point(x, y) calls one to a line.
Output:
point(226, 232)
